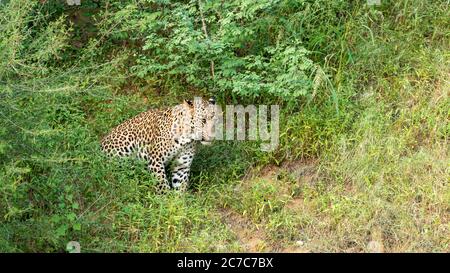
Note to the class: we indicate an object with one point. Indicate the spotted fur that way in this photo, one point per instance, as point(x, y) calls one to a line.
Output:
point(164, 136)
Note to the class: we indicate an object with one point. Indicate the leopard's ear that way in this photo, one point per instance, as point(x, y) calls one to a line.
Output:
point(189, 102)
point(212, 100)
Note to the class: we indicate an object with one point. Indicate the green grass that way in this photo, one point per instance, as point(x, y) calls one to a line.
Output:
point(365, 159)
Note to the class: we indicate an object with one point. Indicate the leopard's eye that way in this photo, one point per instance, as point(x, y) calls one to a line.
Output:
point(204, 120)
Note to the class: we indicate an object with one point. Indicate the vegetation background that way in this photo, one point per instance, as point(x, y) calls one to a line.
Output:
point(363, 161)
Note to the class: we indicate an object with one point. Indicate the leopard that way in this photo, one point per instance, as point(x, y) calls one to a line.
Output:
point(166, 139)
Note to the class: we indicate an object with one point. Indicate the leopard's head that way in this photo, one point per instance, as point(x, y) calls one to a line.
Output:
point(204, 117)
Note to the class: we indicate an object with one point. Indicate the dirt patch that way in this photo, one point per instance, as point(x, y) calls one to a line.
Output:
point(295, 204)
point(251, 238)
point(254, 239)
point(301, 170)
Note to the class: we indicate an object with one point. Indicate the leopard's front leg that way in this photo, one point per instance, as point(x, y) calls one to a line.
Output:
point(155, 163)
point(182, 165)
point(157, 168)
